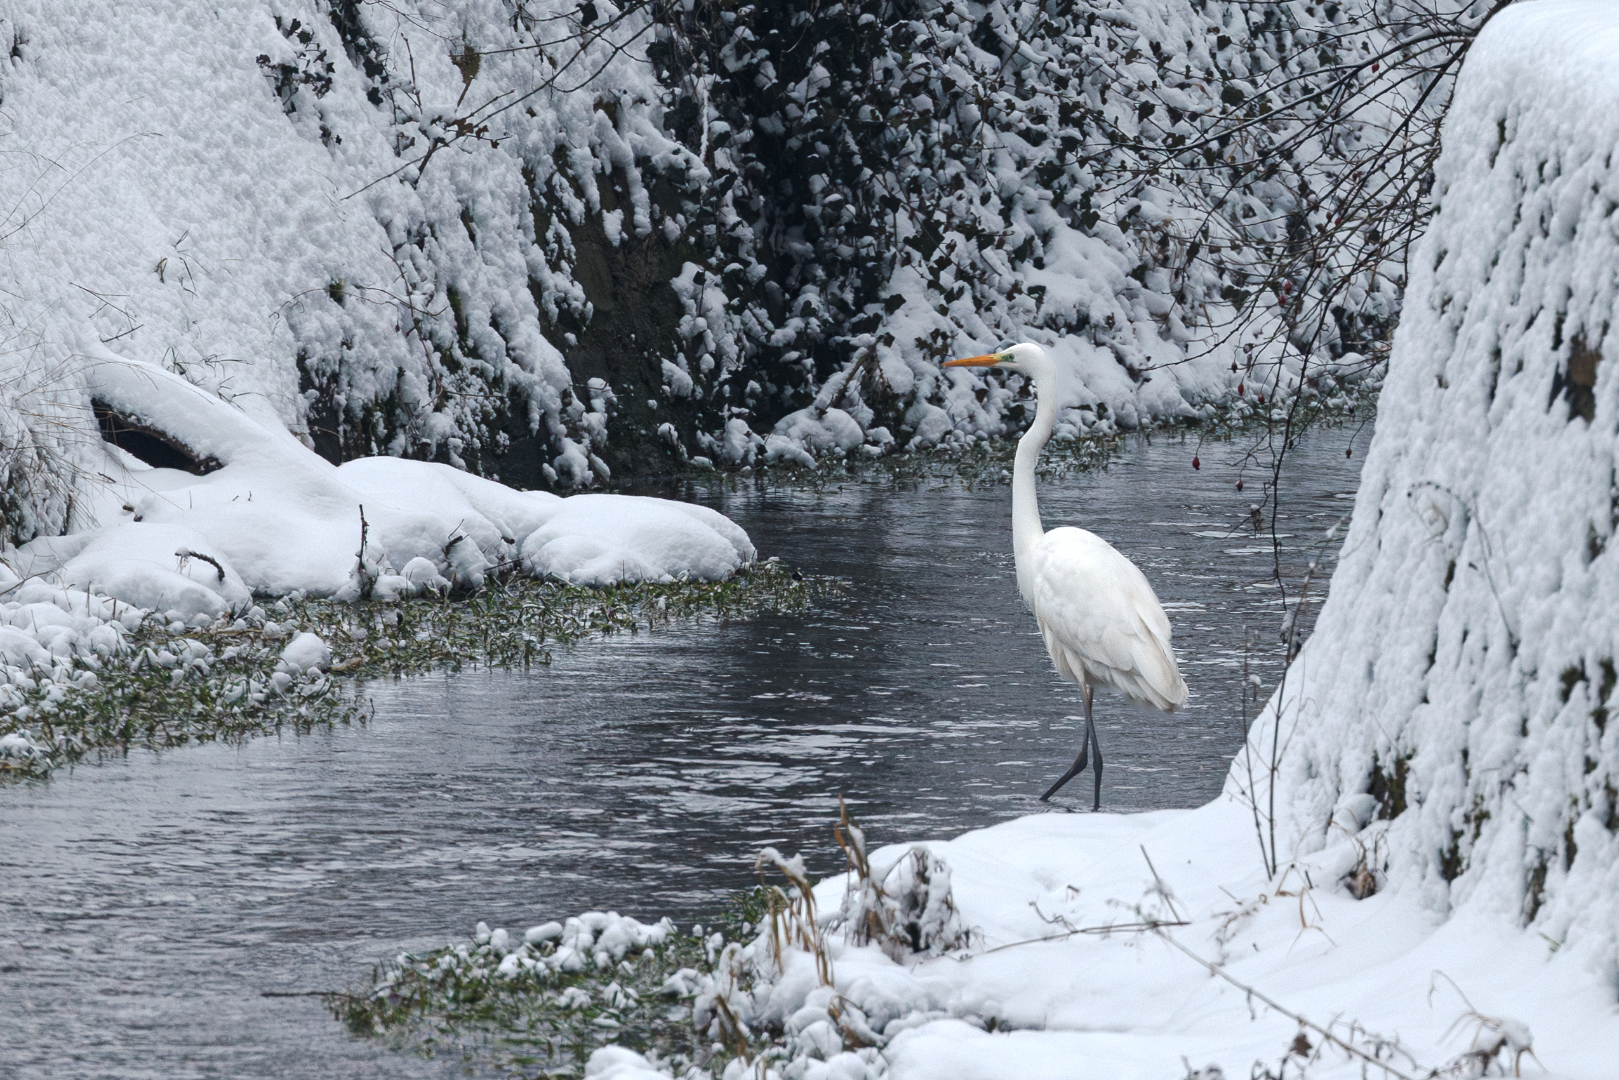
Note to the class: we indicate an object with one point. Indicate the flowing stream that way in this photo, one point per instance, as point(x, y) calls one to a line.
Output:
point(148, 902)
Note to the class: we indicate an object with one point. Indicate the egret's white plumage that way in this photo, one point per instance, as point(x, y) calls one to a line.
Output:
point(1101, 621)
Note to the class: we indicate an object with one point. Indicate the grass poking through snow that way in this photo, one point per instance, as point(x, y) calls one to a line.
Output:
point(169, 687)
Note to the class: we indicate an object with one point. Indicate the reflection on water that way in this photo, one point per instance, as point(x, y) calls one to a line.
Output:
point(146, 903)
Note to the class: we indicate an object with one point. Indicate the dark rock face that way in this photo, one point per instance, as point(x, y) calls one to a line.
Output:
point(631, 332)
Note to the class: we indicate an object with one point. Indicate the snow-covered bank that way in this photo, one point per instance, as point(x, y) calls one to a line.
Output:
point(1062, 947)
point(82, 675)
point(161, 573)
point(269, 517)
point(1044, 991)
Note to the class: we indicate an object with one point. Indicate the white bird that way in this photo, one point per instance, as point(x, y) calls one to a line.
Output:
point(1102, 623)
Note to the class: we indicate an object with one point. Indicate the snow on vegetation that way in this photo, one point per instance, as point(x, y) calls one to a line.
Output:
point(83, 674)
point(1413, 870)
point(1139, 947)
point(162, 583)
point(417, 230)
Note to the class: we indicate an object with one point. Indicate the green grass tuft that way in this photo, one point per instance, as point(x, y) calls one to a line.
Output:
point(218, 683)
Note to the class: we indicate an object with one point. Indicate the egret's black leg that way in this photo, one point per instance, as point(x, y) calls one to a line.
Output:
point(1084, 751)
point(1096, 748)
point(1077, 768)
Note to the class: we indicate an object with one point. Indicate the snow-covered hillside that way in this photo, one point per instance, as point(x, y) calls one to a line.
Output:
point(547, 241)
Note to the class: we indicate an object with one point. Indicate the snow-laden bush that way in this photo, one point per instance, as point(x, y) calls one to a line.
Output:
point(912, 180)
point(1463, 669)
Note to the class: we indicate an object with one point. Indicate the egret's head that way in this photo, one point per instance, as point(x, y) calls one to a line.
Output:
point(1027, 358)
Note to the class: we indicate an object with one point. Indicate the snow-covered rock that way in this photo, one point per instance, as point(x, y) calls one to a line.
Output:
point(271, 517)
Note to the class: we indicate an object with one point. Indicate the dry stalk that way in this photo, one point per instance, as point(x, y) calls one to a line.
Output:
point(792, 913)
point(1255, 994)
point(916, 915)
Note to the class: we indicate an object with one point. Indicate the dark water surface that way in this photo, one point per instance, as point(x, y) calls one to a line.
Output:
point(146, 903)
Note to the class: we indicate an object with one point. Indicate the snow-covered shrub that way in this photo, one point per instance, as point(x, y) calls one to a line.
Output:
point(905, 908)
point(1462, 673)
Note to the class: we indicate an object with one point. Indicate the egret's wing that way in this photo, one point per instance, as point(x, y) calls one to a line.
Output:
point(1101, 620)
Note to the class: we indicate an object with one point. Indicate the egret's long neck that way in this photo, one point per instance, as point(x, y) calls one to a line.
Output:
point(1026, 527)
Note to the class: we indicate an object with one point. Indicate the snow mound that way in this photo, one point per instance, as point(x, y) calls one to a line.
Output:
point(1462, 673)
point(306, 651)
point(159, 567)
point(818, 432)
point(601, 539)
point(256, 512)
point(618, 1063)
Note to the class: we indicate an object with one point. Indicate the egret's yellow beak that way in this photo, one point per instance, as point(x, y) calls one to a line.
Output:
point(987, 360)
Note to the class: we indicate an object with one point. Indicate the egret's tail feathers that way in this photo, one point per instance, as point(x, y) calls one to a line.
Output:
point(1164, 698)
point(1154, 680)
point(1177, 695)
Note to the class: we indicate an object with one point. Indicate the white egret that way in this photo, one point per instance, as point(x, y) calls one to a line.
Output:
point(1101, 621)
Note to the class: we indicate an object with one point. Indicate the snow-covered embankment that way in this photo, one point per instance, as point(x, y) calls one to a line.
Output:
point(268, 516)
point(224, 509)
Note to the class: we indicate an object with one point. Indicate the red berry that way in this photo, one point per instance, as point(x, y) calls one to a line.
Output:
point(1195, 463)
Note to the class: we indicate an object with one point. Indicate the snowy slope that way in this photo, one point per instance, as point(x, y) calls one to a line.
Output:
point(503, 238)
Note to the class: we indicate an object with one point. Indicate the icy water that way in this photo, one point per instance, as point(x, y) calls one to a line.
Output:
point(148, 903)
